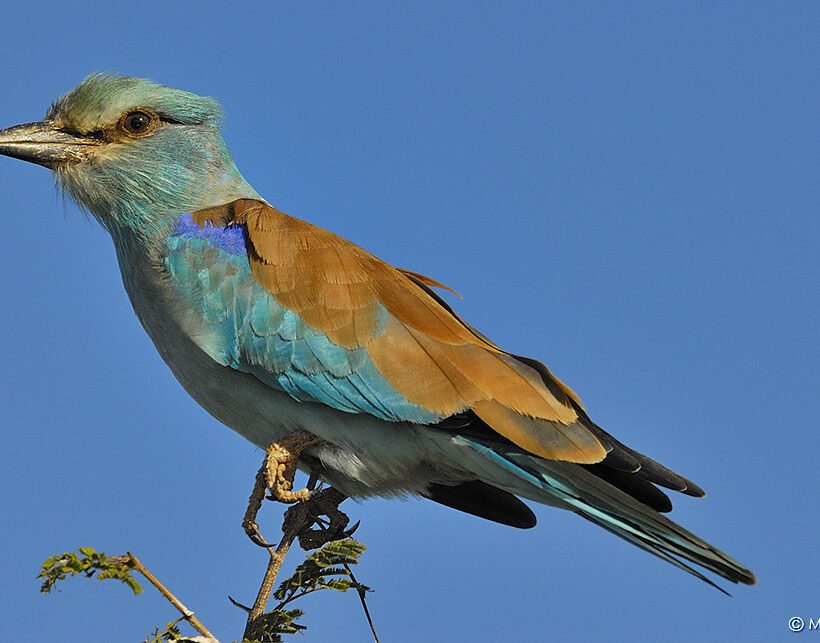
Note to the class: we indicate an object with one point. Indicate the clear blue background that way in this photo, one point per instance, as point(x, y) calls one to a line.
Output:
point(628, 191)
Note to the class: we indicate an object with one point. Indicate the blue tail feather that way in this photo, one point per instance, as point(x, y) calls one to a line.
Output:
point(601, 503)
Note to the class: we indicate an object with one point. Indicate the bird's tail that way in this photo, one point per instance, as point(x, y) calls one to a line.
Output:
point(573, 487)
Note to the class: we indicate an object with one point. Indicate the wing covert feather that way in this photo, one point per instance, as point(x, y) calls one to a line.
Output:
point(417, 343)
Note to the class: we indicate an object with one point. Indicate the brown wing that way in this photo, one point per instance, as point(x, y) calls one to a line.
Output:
point(424, 350)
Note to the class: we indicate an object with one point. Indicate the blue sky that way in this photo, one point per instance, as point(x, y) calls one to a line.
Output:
point(628, 191)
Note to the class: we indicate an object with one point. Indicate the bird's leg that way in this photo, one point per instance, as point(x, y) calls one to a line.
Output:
point(276, 473)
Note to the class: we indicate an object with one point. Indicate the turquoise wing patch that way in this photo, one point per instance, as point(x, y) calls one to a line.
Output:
point(242, 326)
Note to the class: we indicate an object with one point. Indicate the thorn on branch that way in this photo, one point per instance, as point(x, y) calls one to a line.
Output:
point(236, 603)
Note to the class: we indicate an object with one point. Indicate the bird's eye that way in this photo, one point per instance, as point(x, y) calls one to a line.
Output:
point(138, 123)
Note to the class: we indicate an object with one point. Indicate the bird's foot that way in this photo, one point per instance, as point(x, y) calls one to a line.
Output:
point(276, 474)
point(333, 526)
point(280, 466)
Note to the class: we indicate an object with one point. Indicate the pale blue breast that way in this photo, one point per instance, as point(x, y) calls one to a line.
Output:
point(245, 328)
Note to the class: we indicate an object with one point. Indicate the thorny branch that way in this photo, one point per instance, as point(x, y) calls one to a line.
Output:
point(135, 563)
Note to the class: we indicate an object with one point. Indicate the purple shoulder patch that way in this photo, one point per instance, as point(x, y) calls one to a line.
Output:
point(231, 239)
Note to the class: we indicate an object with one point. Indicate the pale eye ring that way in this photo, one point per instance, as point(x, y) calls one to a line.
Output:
point(138, 122)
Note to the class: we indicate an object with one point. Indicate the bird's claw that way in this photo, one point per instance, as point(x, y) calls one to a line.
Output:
point(349, 532)
point(255, 535)
point(324, 502)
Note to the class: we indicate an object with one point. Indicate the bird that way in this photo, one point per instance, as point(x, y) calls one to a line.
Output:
point(329, 358)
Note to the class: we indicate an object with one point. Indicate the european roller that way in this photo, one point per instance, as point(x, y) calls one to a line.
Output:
point(326, 356)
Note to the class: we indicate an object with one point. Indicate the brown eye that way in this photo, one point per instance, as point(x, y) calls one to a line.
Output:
point(138, 123)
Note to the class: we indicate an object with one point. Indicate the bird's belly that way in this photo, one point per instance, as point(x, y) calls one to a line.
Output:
point(363, 455)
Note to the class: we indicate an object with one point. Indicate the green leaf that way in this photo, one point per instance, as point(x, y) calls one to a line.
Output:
point(169, 633)
point(337, 584)
point(269, 627)
point(57, 568)
point(325, 568)
point(314, 572)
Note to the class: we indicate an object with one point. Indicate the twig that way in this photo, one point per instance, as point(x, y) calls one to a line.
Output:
point(361, 591)
point(297, 522)
point(277, 557)
point(135, 563)
point(297, 518)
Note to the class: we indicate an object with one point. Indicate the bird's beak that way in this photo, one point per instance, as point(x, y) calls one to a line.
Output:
point(45, 144)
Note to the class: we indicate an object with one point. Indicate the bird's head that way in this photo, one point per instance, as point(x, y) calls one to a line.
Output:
point(131, 151)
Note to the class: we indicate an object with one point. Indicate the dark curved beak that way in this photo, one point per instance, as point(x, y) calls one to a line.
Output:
point(45, 144)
